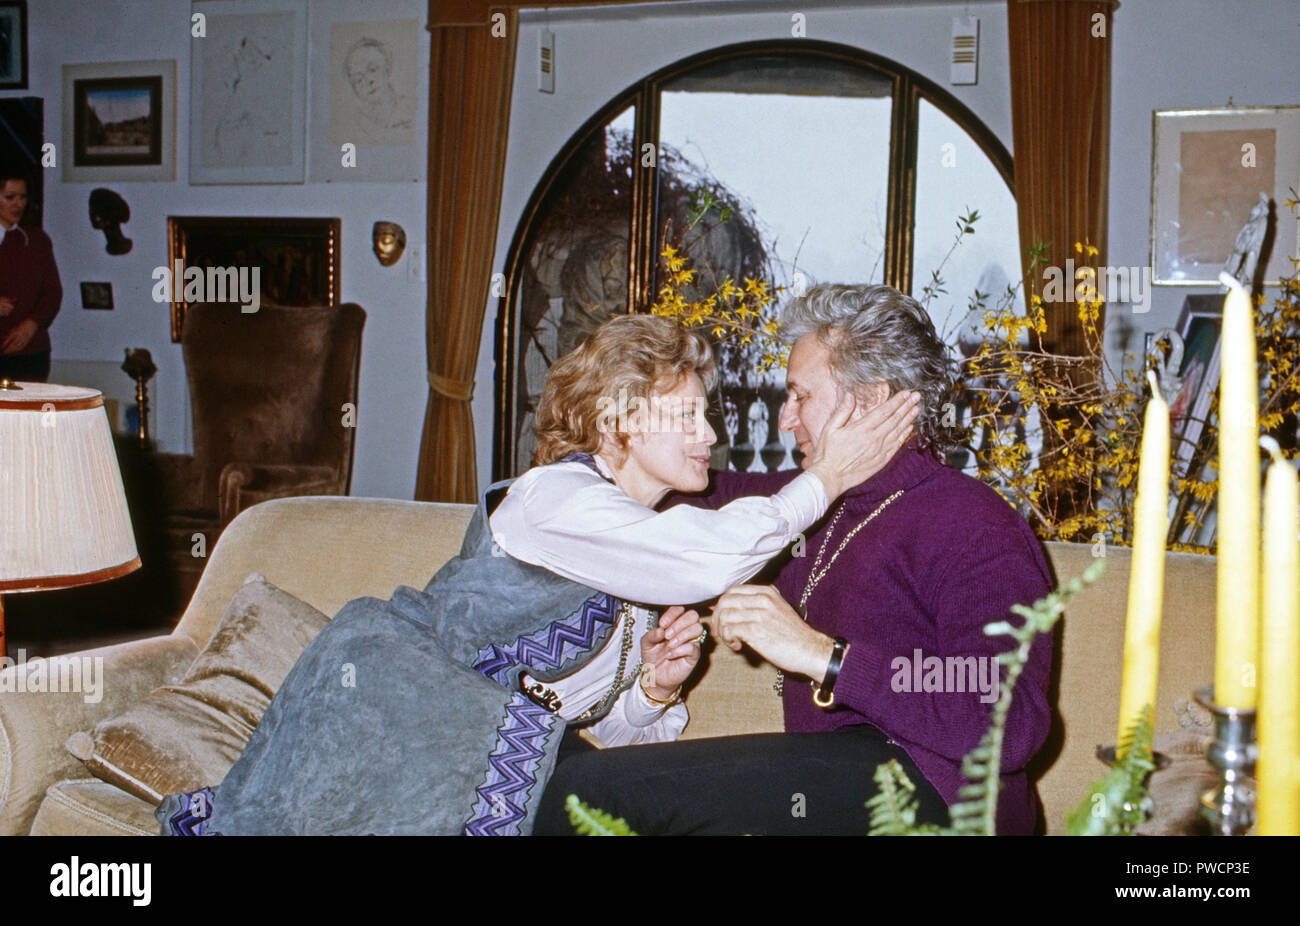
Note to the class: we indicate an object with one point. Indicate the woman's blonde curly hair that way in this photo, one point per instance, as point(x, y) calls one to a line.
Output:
point(631, 355)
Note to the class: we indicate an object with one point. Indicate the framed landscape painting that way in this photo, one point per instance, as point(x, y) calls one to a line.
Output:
point(116, 121)
point(119, 121)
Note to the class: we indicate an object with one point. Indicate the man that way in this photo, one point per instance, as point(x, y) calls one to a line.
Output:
point(30, 291)
point(899, 577)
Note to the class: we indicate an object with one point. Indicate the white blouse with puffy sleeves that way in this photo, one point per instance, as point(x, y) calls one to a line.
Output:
point(569, 520)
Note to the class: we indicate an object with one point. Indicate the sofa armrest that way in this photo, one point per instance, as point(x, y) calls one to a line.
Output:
point(35, 724)
point(244, 485)
point(178, 478)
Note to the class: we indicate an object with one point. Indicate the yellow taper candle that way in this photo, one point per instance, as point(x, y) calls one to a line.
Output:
point(1146, 582)
point(1237, 635)
point(1278, 767)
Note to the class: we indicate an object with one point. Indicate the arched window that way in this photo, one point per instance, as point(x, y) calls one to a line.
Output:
point(801, 161)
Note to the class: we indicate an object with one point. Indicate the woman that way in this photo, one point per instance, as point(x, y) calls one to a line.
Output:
point(30, 291)
point(462, 692)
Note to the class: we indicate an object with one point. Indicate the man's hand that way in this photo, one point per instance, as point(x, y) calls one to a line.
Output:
point(19, 337)
point(850, 452)
point(6, 306)
point(757, 616)
point(672, 650)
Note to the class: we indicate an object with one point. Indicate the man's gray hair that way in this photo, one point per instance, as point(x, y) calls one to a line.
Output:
point(877, 334)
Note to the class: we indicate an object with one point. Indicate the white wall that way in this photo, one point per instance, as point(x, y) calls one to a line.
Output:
point(392, 388)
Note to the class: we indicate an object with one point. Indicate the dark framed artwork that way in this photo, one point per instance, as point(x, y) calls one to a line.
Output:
point(22, 132)
point(287, 261)
point(119, 121)
point(1199, 325)
point(13, 45)
point(97, 295)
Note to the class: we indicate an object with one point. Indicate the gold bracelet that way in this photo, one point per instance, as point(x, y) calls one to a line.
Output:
point(675, 695)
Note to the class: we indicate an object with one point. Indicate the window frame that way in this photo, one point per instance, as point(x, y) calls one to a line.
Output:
point(908, 89)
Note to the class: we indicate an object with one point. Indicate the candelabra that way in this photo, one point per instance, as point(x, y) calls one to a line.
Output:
point(1232, 751)
point(1107, 756)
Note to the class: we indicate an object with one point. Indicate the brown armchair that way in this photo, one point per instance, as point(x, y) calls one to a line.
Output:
point(268, 392)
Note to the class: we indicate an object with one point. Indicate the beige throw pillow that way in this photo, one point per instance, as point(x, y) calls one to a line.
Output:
point(187, 735)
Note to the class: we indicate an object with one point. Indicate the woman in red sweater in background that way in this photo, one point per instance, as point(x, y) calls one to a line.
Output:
point(30, 291)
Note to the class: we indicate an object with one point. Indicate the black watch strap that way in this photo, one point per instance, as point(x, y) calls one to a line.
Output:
point(824, 695)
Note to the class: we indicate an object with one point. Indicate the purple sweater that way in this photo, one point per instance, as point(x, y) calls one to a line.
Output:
point(945, 558)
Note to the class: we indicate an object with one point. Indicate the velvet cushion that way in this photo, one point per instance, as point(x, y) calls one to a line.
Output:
point(187, 735)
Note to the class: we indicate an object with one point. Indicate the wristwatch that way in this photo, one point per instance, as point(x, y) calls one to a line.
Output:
point(824, 694)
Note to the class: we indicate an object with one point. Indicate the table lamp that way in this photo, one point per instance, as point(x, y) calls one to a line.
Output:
point(63, 514)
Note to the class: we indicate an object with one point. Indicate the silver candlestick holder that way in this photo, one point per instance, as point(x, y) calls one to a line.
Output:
point(1106, 755)
point(1232, 752)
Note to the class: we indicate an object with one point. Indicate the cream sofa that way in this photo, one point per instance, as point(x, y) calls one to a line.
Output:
point(328, 550)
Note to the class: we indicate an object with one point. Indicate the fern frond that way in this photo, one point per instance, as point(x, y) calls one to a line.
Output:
point(1115, 804)
point(976, 815)
point(893, 806)
point(588, 821)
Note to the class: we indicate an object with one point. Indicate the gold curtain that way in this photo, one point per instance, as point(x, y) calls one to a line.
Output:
point(471, 71)
point(1060, 126)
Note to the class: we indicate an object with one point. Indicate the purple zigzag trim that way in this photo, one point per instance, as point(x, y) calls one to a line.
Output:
point(551, 645)
point(192, 817)
point(512, 769)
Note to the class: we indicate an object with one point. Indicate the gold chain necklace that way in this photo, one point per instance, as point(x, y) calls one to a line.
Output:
point(815, 577)
point(619, 681)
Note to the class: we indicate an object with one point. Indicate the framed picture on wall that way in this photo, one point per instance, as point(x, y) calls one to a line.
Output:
point(369, 96)
point(97, 295)
point(1209, 169)
point(248, 92)
point(13, 45)
point(279, 261)
point(119, 121)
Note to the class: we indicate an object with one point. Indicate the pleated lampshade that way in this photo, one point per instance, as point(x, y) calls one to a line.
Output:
point(63, 514)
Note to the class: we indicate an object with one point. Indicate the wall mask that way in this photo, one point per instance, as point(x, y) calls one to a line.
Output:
point(389, 241)
point(107, 213)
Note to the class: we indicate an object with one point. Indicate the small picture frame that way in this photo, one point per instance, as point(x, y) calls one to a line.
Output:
point(97, 295)
point(13, 44)
point(119, 121)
